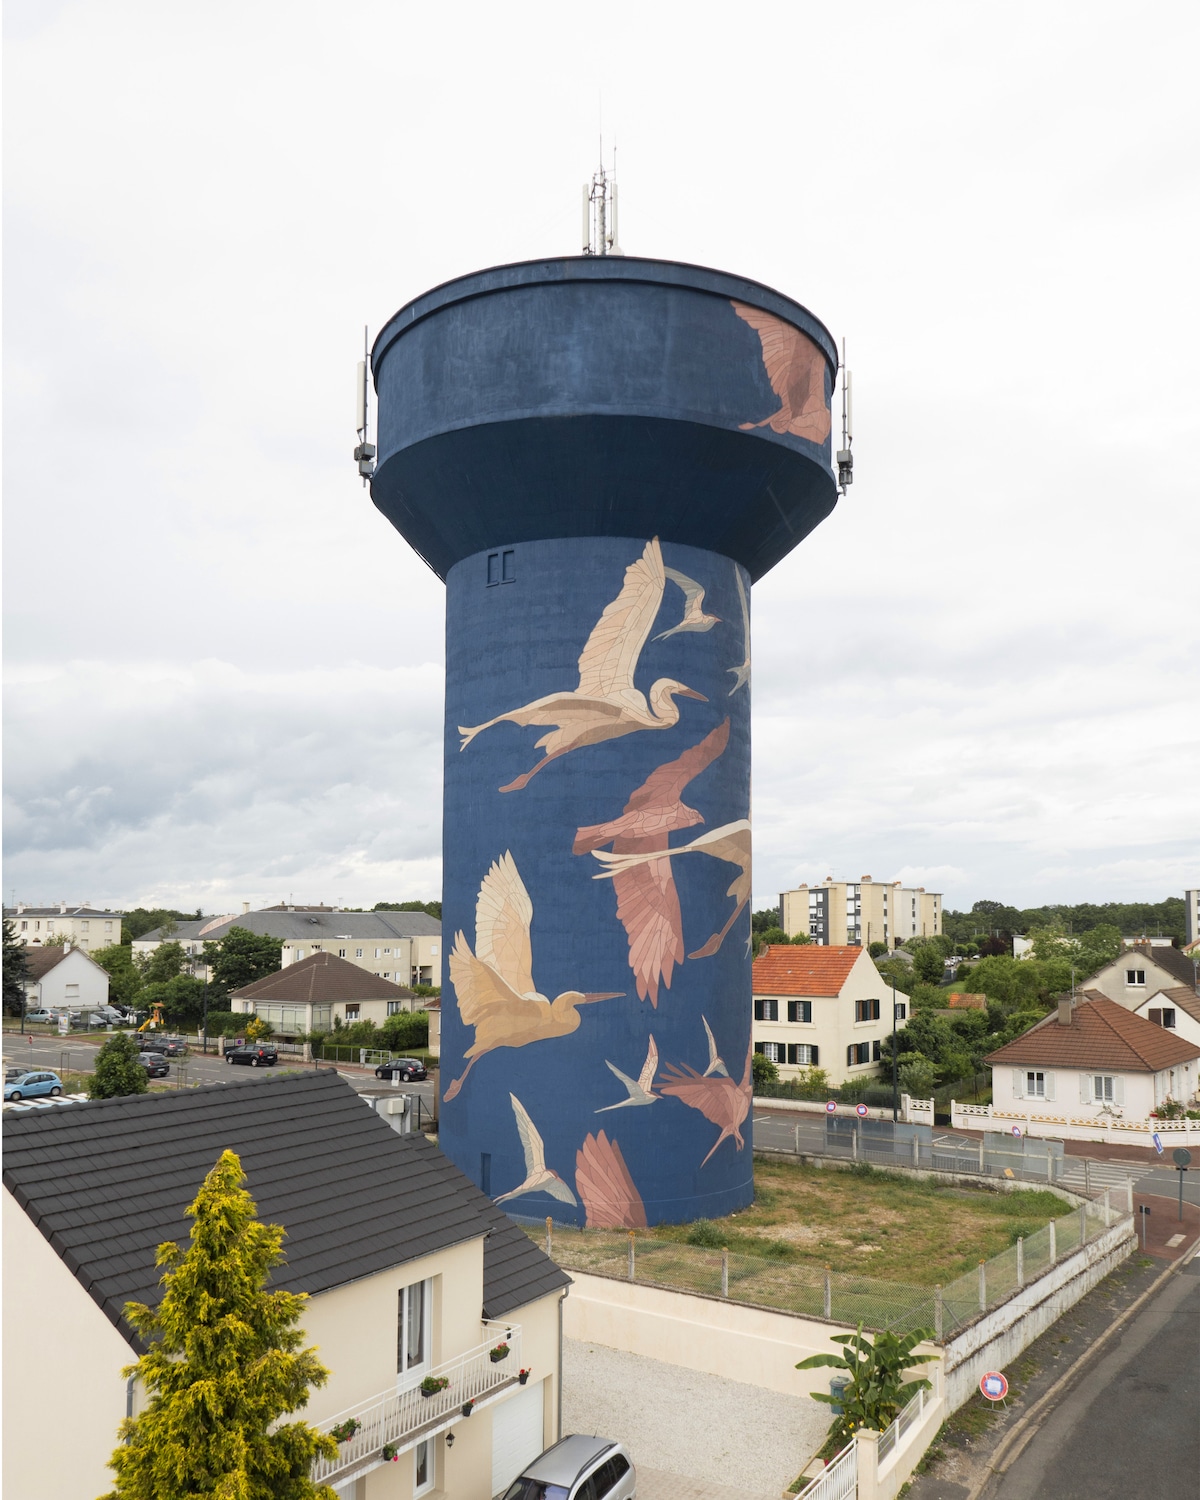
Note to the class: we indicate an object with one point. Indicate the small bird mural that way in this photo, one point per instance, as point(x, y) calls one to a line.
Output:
point(730, 842)
point(796, 369)
point(694, 617)
point(605, 1187)
point(742, 673)
point(606, 704)
point(494, 985)
point(538, 1176)
point(714, 1094)
point(647, 903)
point(716, 1064)
point(639, 1089)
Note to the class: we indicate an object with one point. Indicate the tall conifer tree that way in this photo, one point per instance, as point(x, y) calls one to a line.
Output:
point(224, 1363)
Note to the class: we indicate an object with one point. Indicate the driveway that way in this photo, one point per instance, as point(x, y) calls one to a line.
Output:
point(692, 1436)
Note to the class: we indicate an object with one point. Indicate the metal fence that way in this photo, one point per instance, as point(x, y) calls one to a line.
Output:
point(839, 1481)
point(811, 1291)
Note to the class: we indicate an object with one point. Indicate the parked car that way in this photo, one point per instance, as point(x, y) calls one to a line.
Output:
point(157, 1041)
point(577, 1466)
point(407, 1068)
point(155, 1064)
point(42, 1016)
point(31, 1085)
point(106, 1015)
point(254, 1055)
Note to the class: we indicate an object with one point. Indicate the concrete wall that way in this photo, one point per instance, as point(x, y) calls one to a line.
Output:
point(1125, 1131)
point(64, 1394)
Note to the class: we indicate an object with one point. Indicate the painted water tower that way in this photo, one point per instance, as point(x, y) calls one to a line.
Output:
point(599, 455)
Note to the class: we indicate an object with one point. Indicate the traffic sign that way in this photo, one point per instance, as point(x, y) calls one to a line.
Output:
point(861, 1111)
point(831, 1107)
point(1157, 1139)
point(1182, 1156)
point(1017, 1131)
point(994, 1386)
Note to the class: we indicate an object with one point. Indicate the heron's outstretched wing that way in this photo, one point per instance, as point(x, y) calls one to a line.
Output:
point(742, 673)
point(715, 1061)
point(796, 369)
point(531, 1140)
point(646, 1078)
point(648, 909)
point(481, 992)
point(607, 662)
point(603, 1182)
point(503, 914)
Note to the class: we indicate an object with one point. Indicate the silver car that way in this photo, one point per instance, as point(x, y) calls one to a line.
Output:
point(578, 1468)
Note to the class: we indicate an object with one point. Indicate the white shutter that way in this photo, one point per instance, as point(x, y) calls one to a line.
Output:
point(1118, 1090)
point(517, 1437)
point(1085, 1088)
point(1049, 1085)
point(1018, 1084)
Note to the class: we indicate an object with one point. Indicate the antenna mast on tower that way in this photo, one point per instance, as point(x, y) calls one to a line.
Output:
point(845, 458)
point(600, 210)
point(364, 453)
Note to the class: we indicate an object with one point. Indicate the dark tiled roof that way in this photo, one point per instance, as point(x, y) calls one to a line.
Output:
point(320, 979)
point(107, 1182)
point(1178, 965)
point(57, 911)
point(39, 961)
point(803, 969)
point(317, 926)
point(1102, 1034)
point(1181, 995)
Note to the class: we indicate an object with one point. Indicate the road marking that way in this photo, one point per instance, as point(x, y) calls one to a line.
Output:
point(1176, 1239)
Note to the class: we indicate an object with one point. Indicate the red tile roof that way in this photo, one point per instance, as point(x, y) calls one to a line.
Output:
point(1102, 1034)
point(319, 979)
point(802, 969)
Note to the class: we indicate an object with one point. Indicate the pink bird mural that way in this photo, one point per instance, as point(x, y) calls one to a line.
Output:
point(713, 1093)
point(605, 1187)
point(647, 902)
point(796, 369)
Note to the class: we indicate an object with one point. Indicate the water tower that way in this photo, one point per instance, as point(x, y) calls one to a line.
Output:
point(599, 455)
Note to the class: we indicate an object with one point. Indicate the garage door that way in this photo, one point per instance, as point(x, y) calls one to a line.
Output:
point(516, 1435)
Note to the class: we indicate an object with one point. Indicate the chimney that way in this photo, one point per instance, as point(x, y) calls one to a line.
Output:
point(1064, 1010)
point(245, 908)
point(62, 908)
point(20, 907)
point(866, 880)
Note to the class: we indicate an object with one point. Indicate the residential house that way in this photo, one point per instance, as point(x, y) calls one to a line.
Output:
point(318, 991)
point(409, 1269)
point(1142, 971)
point(63, 978)
point(839, 912)
point(822, 1007)
point(85, 926)
point(1093, 1057)
point(401, 946)
point(1176, 1009)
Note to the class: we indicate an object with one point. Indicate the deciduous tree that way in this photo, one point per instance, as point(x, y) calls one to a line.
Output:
point(124, 980)
point(241, 957)
point(224, 1366)
point(118, 1070)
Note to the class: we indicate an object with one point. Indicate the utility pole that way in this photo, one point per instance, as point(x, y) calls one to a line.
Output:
point(895, 1095)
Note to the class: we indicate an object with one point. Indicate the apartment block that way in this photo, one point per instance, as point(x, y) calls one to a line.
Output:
point(83, 926)
point(844, 913)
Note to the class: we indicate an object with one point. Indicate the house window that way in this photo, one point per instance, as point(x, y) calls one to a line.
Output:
point(316, 947)
point(858, 1053)
point(801, 1055)
point(775, 1051)
point(24, 926)
point(395, 1007)
point(1103, 1088)
point(108, 926)
point(766, 1010)
point(866, 1010)
point(72, 989)
point(322, 1017)
point(83, 926)
point(412, 1327)
point(800, 1010)
point(341, 952)
point(379, 953)
point(876, 1051)
point(358, 952)
point(1035, 1085)
point(353, 1012)
point(49, 926)
point(901, 1010)
point(423, 1467)
point(1135, 978)
point(299, 954)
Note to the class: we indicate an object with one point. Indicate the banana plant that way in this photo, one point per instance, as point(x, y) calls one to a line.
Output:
point(877, 1390)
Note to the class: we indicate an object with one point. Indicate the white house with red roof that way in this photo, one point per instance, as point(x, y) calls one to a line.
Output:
point(818, 1007)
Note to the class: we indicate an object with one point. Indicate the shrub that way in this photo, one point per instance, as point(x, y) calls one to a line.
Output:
point(704, 1232)
point(877, 1391)
point(118, 1070)
point(762, 1069)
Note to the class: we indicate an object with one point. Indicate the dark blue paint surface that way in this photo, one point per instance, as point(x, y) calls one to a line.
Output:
point(508, 645)
point(592, 397)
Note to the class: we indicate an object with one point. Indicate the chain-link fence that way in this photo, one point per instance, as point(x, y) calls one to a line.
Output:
point(809, 1290)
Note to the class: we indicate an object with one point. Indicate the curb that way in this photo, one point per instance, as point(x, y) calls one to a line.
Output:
point(1013, 1444)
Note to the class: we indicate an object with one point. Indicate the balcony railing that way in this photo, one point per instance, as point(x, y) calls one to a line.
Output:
point(402, 1418)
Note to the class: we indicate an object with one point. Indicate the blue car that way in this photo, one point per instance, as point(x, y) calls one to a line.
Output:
point(31, 1085)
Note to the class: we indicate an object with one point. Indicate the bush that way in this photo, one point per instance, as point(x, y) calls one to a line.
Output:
point(918, 1076)
point(762, 1069)
point(118, 1070)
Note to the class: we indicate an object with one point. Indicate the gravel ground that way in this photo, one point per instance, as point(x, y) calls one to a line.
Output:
point(681, 1425)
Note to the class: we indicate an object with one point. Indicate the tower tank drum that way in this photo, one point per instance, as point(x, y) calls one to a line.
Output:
point(599, 456)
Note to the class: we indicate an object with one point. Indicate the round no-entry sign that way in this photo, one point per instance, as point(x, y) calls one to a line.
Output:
point(861, 1111)
point(1017, 1131)
point(994, 1386)
point(831, 1107)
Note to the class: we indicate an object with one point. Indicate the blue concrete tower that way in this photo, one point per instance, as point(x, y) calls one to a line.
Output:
point(599, 456)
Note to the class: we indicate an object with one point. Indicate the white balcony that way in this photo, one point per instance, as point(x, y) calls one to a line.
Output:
point(401, 1419)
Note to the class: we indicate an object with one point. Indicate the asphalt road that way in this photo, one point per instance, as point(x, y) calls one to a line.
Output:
point(1129, 1428)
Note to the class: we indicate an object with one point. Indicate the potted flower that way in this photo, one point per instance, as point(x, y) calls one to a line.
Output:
point(389, 1454)
point(468, 1407)
point(498, 1353)
point(523, 1375)
point(432, 1384)
point(342, 1432)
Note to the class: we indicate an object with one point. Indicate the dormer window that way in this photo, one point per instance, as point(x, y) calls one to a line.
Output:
point(1135, 978)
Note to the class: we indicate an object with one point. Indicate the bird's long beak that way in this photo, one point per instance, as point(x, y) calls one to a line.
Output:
point(691, 693)
point(611, 995)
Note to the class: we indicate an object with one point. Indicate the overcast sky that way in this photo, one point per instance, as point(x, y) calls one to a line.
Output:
point(224, 666)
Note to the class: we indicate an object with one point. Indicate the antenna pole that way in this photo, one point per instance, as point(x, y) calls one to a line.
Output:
point(364, 452)
point(845, 458)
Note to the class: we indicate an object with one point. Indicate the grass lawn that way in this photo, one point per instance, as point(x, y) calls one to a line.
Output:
point(881, 1224)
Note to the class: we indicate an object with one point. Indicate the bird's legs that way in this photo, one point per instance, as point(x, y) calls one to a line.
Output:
point(724, 1136)
point(523, 781)
point(718, 938)
point(452, 1091)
